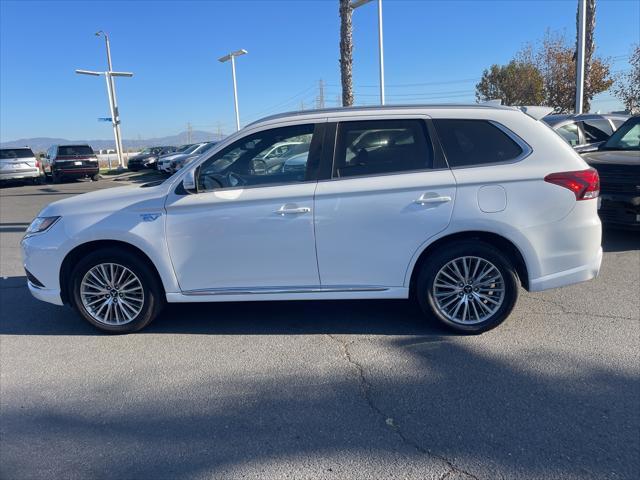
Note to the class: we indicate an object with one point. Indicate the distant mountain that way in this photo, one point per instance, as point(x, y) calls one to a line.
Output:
point(41, 144)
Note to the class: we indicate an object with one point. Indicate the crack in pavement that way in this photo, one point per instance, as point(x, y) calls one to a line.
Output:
point(563, 309)
point(365, 388)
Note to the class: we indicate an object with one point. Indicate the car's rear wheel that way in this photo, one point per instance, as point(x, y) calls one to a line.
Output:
point(116, 291)
point(55, 177)
point(468, 286)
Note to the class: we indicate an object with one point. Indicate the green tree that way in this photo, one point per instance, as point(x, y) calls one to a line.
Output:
point(555, 59)
point(627, 84)
point(517, 83)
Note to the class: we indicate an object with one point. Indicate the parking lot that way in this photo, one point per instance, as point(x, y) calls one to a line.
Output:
point(320, 389)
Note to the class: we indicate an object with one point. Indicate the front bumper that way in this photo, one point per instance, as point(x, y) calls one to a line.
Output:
point(620, 210)
point(46, 294)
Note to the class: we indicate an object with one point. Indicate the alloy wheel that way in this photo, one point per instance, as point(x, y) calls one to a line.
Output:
point(112, 294)
point(468, 290)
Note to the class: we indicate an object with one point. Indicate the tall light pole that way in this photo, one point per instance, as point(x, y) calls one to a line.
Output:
point(359, 3)
point(111, 93)
point(582, 27)
point(232, 56)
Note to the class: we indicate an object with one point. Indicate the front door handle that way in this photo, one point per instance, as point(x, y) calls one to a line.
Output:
point(431, 198)
point(291, 210)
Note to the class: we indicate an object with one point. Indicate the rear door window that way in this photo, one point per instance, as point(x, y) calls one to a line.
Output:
point(10, 153)
point(596, 130)
point(475, 142)
point(375, 147)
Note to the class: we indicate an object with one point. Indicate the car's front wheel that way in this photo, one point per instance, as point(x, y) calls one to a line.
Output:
point(468, 286)
point(116, 291)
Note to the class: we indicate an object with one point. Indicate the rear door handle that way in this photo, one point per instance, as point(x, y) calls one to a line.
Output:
point(431, 198)
point(290, 210)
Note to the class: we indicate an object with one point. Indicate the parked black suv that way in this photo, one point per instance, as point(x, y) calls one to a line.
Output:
point(618, 164)
point(148, 158)
point(70, 161)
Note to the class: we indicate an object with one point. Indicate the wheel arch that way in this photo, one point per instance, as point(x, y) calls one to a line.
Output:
point(505, 245)
point(71, 259)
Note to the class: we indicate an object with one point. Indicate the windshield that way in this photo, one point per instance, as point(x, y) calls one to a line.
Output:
point(74, 150)
point(203, 148)
point(191, 149)
point(6, 153)
point(627, 137)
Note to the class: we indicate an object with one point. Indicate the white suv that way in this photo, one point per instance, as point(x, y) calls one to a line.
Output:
point(454, 206)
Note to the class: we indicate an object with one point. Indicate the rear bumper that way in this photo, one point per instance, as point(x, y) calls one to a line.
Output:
point(19, 175)
point(77, 172)
point(568, 277)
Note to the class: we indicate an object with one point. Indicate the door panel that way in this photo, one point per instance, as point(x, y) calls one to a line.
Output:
point(251, 223)
point(388, 195)
point(368, 229)
point(241, 238)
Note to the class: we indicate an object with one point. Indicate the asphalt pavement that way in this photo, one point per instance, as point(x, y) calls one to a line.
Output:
point(335, 390)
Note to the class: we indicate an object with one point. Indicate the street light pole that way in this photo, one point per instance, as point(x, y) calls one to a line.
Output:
point(359, 3)
point(115, 114)
point(232, 56)
point(235, 91)
point(582, 23)
point(111, 93)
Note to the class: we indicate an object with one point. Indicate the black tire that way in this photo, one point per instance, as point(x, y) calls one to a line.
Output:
point(96, 177)
point(154, 299)
point(424, 290)
point(56, 177)
point(38, 181)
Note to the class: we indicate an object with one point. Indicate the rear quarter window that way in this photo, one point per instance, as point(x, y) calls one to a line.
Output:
point(469, 143)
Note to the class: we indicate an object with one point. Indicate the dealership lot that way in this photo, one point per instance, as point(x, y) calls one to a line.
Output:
point(320, 389)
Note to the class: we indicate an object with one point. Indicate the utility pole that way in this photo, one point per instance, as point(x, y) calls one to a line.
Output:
point(320, 99)
point(301, 105)
point(219, 129)
point(189, 132)
point(111, 93)
point(582, 5)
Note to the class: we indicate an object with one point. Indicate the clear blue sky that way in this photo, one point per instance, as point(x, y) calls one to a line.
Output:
point(173, 46)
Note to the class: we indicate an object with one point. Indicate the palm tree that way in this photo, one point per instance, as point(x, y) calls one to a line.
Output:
point(346, 52)
point(589, 47)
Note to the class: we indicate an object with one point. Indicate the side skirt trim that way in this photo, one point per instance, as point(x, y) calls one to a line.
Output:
point(282, 290)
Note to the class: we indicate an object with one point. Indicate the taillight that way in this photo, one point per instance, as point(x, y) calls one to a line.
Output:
point(37, 163)
point(585, 184)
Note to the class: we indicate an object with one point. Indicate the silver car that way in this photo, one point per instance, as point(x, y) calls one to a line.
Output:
point(19, 164)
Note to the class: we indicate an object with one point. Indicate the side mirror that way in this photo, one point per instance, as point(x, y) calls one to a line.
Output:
point(189, 181)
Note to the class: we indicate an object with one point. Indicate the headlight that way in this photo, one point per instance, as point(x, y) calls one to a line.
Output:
point(40, 224)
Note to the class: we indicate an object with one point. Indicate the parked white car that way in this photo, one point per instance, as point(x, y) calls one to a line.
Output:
point(454, 206)
point(19, 164)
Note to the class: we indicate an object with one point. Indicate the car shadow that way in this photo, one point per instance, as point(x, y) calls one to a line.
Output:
point(21, 314)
